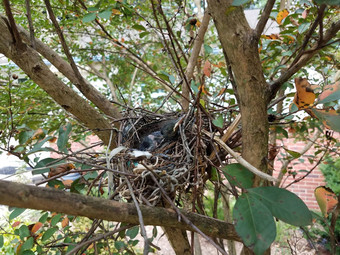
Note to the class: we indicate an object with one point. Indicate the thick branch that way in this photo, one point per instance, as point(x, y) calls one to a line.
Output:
point(30, 62)
point(25, 196)
point(65, 68)
point(264, 18)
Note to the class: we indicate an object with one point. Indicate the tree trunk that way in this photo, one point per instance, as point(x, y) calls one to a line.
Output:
point(240, 44)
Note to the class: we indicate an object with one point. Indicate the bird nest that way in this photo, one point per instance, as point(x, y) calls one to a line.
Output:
point(160, 153)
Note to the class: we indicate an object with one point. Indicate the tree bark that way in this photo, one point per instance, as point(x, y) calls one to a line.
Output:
point(240, 44)
point(30, 62)
point(49, 199)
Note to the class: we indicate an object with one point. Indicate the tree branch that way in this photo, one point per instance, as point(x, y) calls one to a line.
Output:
point(26, 196)
point(65, 68)
point(303, 60)
point(264, 18)
point(196, 49)
point(30, 62)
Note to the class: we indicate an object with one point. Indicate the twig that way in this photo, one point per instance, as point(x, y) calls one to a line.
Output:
point(194, 55)
point(140, 217)
point(181, 216)
point(102, 236)
point(308, 173)
point(303, 151)
point(264, 18)
point(241, 160)
point(30, 23)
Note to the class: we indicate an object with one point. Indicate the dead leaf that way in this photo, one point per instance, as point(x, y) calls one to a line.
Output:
point(38, 134)
point(221, 91)
point(305, 13)
point(281, 15)
point(65, 222)
point(60, 169)
point(36, 227)
point(304, 96)
point(326, 199)
point(67, 183)
point(207, 68)
point(15, 224)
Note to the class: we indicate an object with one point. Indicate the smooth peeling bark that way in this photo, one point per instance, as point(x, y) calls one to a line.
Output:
point(240, 42)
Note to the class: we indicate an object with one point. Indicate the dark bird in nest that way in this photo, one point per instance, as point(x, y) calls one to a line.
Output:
point(167, 133)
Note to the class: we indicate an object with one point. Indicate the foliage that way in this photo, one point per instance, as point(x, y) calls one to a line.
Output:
point(136, 54)
point(331, 171)
point(319, 232)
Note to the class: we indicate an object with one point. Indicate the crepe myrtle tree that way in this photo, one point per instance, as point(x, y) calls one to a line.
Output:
point(97, 59)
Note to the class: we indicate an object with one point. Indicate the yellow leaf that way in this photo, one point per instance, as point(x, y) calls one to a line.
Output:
point(304, 96)
point(281, 15)
point(116, 12)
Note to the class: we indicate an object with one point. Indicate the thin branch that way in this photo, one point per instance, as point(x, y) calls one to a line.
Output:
point(241, 160)
point(96, 238)
point(264, 18)
point(308, 173)
point(180, 214)
point(302, 152)
point(30, 23)
point(12, 26)
point(196, 49)
point(140, 218)
point(303, 60)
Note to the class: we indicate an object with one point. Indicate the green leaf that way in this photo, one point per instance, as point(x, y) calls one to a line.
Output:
point(294, 154)
point(28, 252)
point(16, 212)
point(132, 232)
point(25, 135)
point(143, 34)
point(93, 9)
point(214, 174)
point(90, 175)
point(64, 132)
point(106, 14)
point(194, 86)
point(89, 17)
point(139, 27)
point(239, 2)
point(284, 205)
point(218, 122)
point(238, 175)
point(331, 119)
point(28, 244)
point(254, 223)
point(303, 27)
point(119, 245)
point(1, 241)
point(49, 233)
point(38, 146)
point(42, 163)
point(172, 79)
point(329, 2)
point(332, 97)
point(207, 49)
point(23, 231)
point(43, 217)
point(55, 219)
